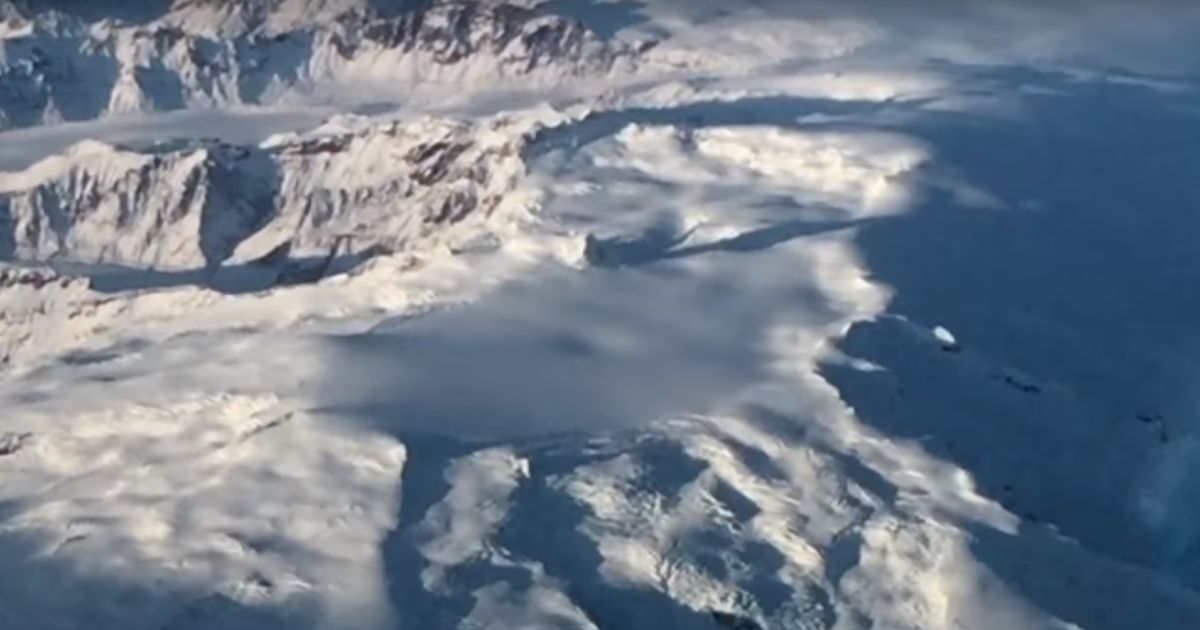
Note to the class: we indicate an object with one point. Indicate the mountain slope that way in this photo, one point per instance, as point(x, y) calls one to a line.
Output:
point(58, 67)
point(192, 206)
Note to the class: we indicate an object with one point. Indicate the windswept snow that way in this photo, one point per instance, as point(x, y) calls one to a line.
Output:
point(774, 324)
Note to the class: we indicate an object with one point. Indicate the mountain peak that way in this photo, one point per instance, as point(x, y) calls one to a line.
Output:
point(203, 53)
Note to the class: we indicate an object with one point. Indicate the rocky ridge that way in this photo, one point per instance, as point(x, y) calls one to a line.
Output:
point(57, 66)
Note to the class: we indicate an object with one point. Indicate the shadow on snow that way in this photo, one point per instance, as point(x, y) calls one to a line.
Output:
point(1085, 284)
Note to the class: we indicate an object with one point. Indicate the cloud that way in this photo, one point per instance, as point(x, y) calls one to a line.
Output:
point(1142, 36)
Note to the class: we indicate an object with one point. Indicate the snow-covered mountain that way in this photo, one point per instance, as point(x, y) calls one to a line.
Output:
point(195, 205)
point(379, 314)
point(57, 66)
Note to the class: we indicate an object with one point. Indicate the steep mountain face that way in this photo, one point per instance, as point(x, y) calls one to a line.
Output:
point(212, 15)
point(201, 54)
point(276, 16)
point(99, 203)
point(383, 186)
